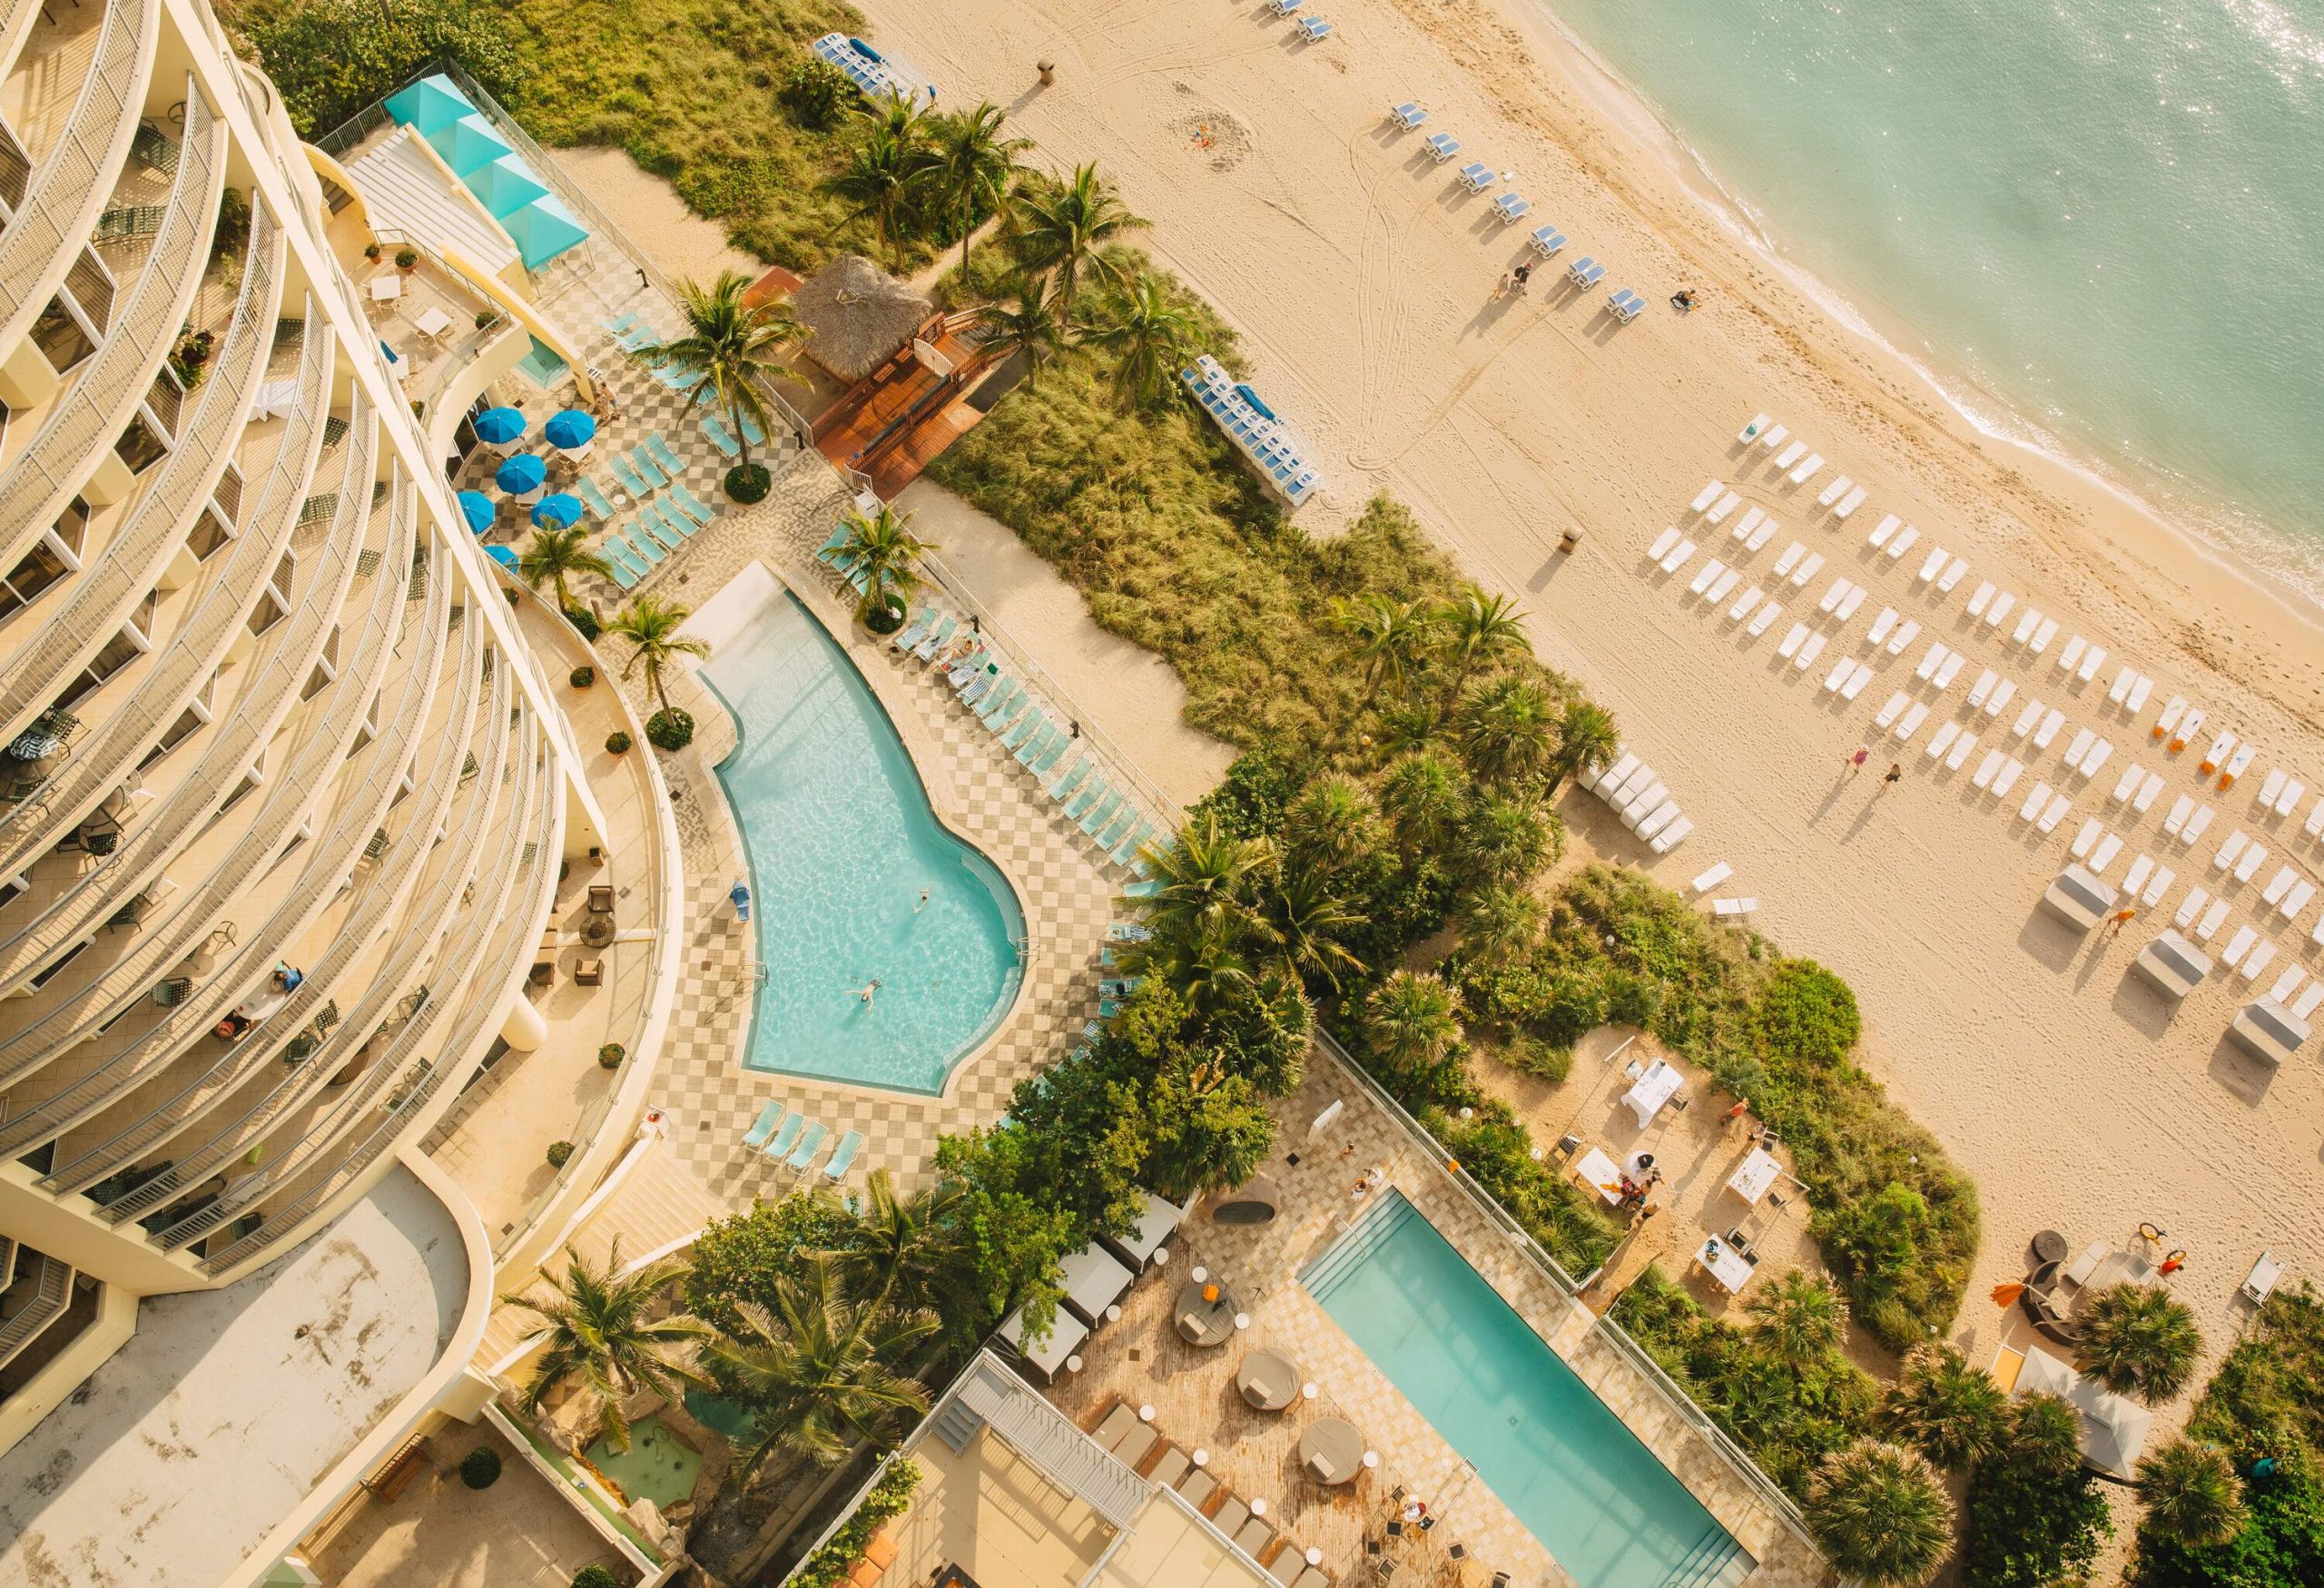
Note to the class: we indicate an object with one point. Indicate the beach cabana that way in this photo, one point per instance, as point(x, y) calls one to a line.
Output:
point(2268, 1031)
point(1047, 1359)
point(2080, 899)
point(505, 186)
point(2172, 964)
point(2113, 1428)
point(469, 144)
point(430, 104)
point(1155, 1223)
point(542, 230)
point(1093, 1282)
point(858, 317)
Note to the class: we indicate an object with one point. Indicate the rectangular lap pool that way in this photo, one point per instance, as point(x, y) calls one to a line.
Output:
point(1582, 1482)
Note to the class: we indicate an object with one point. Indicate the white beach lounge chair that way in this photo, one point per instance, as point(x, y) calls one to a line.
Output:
point(1808, 569)
point(1834, 491)
point(1882, 530)
point(1981, 598)
point(1849, 603)
point(1952, 575)
point(1942, 740)
point(1719, 874)
point(1752, 432)
point(1948, 670)
point(2056, 812)
point(1791, 455)
point(1774, 437)
point(2025, 720)
point(1676, 557)
point(2237, 764)
point(2156, 887)
point(1838, 675)
point(2125, 785)
point(1849, 503)
point(2297, 900)
point(1857, 681)
point(1760, 536)
point(1720, 587)
point(2260, 1282)
point(1768, 615)
point(1585, 272)
point(2279, 885)
point(2214, 918)
point(1963, 748)
point(2272, 785)
point(1937, 652)
point(2011, 769)
point(1724, 506)
point(2070, 653)
point(1546, 241)
point(1729, 908)
point(1671, 837)
point(1983, 686)
point(1315, 29)
point(1442, 146)
point(1743, 604)
point(1409, 114)
point(2042, 636)
point(1477, 176)
point(2180, 809)
point(2090, 828)
point(2143, 800)
point(1881, 625)
point(2026, 622)
point(2035, 801)
point(1712, 567)
point(1662, 545)
point(2238, 946)
point(1791, 641)
point(2283, 806)
point(2248, 866)
point(2191, 907)
point(1905, 634)
point(1910, 723)
point(2092, 659)
point(2081, 743)
point(1984, 776)
point(1929, 564)
point(2000, 609)
point(1808, 468)
point(1790, 558)
point(2141, 869)
point(1903, 542)
point(1625, 305)
point(1891, 711)
point(1831, 596)
point(1808, 652)
point(2196, 824)
point(1510, 208)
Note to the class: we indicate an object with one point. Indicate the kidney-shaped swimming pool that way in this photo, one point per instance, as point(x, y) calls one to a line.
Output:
point(855, 885)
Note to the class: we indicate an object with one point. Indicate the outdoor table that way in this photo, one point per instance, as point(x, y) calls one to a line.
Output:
point(385, 288)
point(1268, 1379)
point(1730, 1267)
point(1331, 1451)
point(1599, 1172)
point(1757, 1174)
point(1658, 1086)
point(434, 323)
point(1205, 1323)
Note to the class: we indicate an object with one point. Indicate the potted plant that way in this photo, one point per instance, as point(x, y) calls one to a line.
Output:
point(581, 677)
point(190, 359)
point(885, 615)
point(610, 1056)
point(748, 482)
point(407, 259)
point(371, 252)
point(485, 318)
point(558, 1152)
point(618, 742)
point(480, 1467)
point(670, 729)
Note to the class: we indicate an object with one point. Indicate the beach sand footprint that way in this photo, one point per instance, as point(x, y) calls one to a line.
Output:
point(1221, 138)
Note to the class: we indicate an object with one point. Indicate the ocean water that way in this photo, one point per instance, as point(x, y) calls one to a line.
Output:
point(2109, 214)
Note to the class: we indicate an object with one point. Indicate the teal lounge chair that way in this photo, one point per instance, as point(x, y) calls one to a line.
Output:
point(1126, 850)
point(926, 649)
point(586, 490)
point(621, 322)
point(668, 459)
point(1091, 792)
point(752, 433)
point(1128, 932)
point(786, 1136)
point(1033, 748)
point(844, 1155)
point(1052, 756)
point(763, 1126)
point(1025, 729)
point(650, 528)
point(640, 546)
point(919, 625)
point(695, 507)
point(679, 521)
point(1101, 815)
point(1001, 700)
point(838, 539)
point(1145, 890)
point(629, 477)
point(1071, 780)
point(627, 569)
point(809, 1145)
point(1111, 833)
point(648, 469)
point(720, 437)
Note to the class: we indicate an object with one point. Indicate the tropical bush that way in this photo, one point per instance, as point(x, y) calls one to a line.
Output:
point(670, 729)
point(815, 93)
point(331, 58)
point(2036, 1515)
point(480, 1467)
point(582, 678)
point(560, 1153)
point(584, 622)
point(1881, 1515)
point(595, 1576)
point(2140, 1340)
point(610, 1055)
point(890, 1496)
point(618, 742)
point(1495, 1150)
point(748, 482)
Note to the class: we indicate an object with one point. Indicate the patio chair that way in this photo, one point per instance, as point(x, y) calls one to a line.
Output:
point(692, 505)
point(630, 479)
point(592, 498)
point(668, 459)
point(720, 437)
point(642, 462)
point(650, 524)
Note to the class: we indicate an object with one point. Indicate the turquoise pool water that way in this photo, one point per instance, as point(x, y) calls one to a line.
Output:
point(843, 847)
point(658, 1465)
point(543, 364)
point(1610, 1514)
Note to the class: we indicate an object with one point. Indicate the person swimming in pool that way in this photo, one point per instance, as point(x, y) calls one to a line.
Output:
point(865, 993)
point(923, 902)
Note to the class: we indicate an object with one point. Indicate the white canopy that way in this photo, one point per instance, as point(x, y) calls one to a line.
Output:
point(1094, 1280)
point(2113, 1429)
point(1154, 1227)
point(1066, 1335)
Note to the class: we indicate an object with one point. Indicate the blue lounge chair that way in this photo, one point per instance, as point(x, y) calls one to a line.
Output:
point(844, 1155)
point(692, 505)
point(1408, 115)
point(809, 1145)
point(650, 529)
point(1315, 29)
point(1126, 850)
point(668, 459)
point(720, 437)
point(627, 569)
point(1040, 764)
point(1101, 813)
point(1115, 830)
point(620, 323)
point(684, 527)
point(1000, 699)
point(926, 649)
point(1477, 176)
point(1626, 304)
point(641, 461)
point(1285, 7)
point(629, 477)
point(1444, 145)
point(1046, 739)
point(1087, 796)
point(1026, 728)
point(1546, 241)
point(763, 1126)
point(639, 545)
point(752, 433)
point(637, 336)
point(783, 1138)
point(910, 635)
point(1585, 272)
point(586, 490)
point(1508, 207)
point(838, 539)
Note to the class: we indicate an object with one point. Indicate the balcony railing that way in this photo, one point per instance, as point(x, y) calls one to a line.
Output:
point(59, 191)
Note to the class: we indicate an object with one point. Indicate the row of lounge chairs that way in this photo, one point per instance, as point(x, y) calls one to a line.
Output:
point(1135, 1445)
point(660, 528)
point(1013, 712)
point(780, 1135)
point(1632, 792)
point(1312, 28)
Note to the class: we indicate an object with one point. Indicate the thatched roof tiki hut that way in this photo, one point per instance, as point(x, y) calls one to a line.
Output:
point(859, 315)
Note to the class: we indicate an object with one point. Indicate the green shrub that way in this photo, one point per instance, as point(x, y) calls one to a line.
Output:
point(2034, 1514)
point(610, 1055)
point(748, 482)
point(887, 616)
point(669, 729)
point(596, 1577)
point(584, 622)
point(486, 318)
point(559, 1153)
point(1496, 1150)
point(331, 58)
point(480, 1467)
point(1805, 1012)
point(888, 1497)
point(582, 678)
point(407, 258)
point(1530, 1055)
point(618, 742)
point(815, 93)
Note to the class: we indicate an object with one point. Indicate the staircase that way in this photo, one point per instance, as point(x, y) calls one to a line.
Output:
point(957, 1425)
point(1372, 1229)
point(1717, 1562)
point(52, 1289)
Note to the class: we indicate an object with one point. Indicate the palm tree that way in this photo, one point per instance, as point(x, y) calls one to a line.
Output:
point(904, 1246)
point(1477, 630)
point(651, 625)
point(887, 175)
point(1881, 1514)
point(1946, 1407)
point(1499, 921)
point(603, 1340)
point(1586, 739)
point(1207, 879)
point(1503, 838)
point(2140, 1341)
point(1306, 922)
point(1422, 794)
point(970, 166)
point(884, 554)
point(1033, 328)
point(554, 556)
point(2191, 1494)
point(1061, 226)
point(1201, 961)
point(1149, 336)
point(1331, 823)
point(1412, 1024)
point(1797, 1317)
point(731, 353)
point(820, 1368)
point(1504, 731)
point(1389, 637)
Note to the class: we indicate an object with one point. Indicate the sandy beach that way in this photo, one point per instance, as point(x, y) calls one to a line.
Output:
point(1361, 276)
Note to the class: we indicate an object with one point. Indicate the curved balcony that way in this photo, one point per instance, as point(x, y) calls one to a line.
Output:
point(66, 187)
point(97, 602)
point(107, 755)
point(82, 426)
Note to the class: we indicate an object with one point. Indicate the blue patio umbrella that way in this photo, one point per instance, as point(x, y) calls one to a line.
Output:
point(559, 509)
point(497, 426)
point(468, 144)
point(569, 429)
point(505, 556)
point(520, 474)
point(431, 104)
point(478, 509)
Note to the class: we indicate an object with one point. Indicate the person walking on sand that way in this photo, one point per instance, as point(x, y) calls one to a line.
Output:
point(1895, 773)
point(2123, 918)
point(1856, 762)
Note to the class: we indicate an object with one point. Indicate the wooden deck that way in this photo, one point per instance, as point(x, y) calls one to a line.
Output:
point(898, 419)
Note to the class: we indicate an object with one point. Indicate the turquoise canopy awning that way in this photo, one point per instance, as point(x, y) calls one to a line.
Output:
point(505, 186)
point(431, 104)
point(469, 144)
point(543, 230)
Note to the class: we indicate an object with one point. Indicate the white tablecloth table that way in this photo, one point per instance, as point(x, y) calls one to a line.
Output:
point(1658, 1086)
point(1599, 1173)
point(1728, 1267)
point(1757, 1174)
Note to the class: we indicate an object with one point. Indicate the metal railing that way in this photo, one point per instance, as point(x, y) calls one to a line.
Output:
point(50, 1297)
point(62, 187)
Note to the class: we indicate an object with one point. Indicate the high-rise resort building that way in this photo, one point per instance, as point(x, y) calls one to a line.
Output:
point(331, 939)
